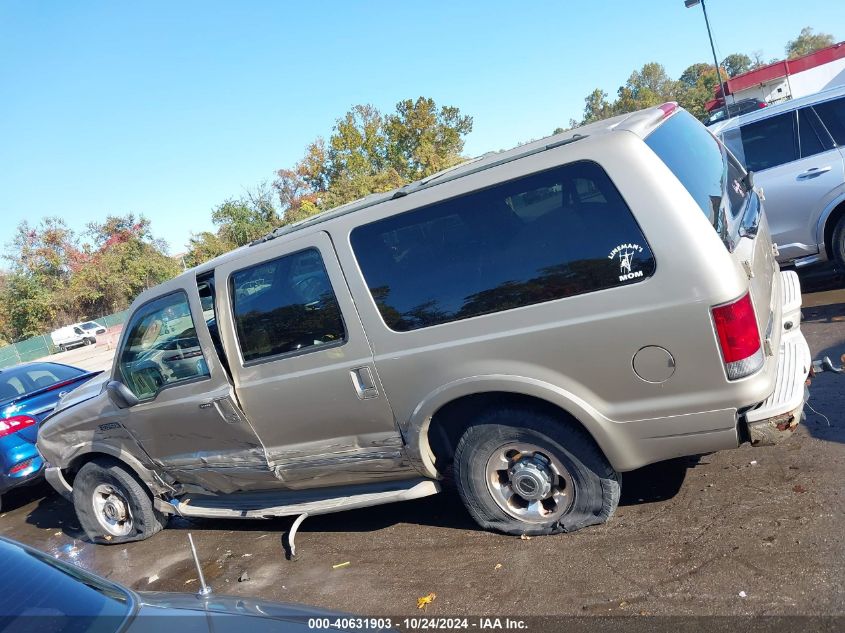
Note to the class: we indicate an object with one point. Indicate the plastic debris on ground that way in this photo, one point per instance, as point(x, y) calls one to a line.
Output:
point(423, 602)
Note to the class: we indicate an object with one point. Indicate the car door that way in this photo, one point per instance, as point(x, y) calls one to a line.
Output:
point(187, 419)
point(798, 166)
point(303, 367)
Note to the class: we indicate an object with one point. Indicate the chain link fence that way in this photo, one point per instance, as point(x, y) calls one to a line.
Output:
point(40, 346)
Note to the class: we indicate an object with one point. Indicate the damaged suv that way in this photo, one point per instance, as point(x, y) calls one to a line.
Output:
point(532, 323)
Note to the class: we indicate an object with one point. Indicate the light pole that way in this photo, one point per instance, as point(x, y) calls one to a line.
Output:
point(690, 4)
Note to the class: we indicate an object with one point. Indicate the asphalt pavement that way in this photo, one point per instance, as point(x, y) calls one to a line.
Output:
point(747, 531)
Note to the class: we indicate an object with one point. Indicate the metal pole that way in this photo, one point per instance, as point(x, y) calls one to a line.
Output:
point(716, 60)
point(204, 589)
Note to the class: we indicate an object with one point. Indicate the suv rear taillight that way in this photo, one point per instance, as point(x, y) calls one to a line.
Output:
point(739, 338)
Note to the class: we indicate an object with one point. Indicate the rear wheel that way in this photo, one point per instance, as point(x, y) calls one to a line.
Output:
point(526, 472)
point(112, 505)
point(62, 348)
point(838, 244)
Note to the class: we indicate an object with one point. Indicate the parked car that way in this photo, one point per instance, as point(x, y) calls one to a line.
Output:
point(737, 108)
point(28, 393)
point(796, 150)
point(535, 322)
point(40, 593)
point(71, 336)
point(91, 327)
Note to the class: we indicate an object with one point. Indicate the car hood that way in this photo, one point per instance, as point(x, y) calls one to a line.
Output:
point(86, 391)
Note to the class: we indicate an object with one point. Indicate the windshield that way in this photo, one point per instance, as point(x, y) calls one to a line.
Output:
point(703, 165)
point(65, 598)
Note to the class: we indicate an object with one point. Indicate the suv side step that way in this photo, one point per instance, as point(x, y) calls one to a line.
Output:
point(265, 505)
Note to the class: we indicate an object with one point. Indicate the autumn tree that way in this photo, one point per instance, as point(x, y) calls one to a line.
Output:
point(121, 260)
point(370, 152)
point(807, 42)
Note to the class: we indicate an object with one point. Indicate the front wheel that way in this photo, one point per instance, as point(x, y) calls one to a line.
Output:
point(527, 472)
point(112, 505)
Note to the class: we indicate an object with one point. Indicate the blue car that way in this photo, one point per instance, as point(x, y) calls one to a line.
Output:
point(28, 393)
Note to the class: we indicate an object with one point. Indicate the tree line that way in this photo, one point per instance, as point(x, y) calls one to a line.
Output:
point(56, 276)
point(651, 85)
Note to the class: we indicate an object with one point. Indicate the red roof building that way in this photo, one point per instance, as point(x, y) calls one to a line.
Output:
point(787, 79)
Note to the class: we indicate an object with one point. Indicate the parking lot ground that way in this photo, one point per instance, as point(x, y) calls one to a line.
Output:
point(746, 531)
point(91, 357)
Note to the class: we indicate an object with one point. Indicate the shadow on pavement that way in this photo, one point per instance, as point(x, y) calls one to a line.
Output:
point(657, 482)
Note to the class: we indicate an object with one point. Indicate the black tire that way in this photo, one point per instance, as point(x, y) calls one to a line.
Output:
point(838, 245)
point(596, 485)
point(62, 348)
point(146, 520)
point(86, 341)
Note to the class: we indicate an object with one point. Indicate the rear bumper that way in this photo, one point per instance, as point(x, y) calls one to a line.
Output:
point(32, 472)
point(776, 417)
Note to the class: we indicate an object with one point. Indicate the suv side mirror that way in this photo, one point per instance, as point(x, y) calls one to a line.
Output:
point(121, 395)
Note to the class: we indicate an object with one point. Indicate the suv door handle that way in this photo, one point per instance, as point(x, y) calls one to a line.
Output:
point(813, 172)
point(362, 380)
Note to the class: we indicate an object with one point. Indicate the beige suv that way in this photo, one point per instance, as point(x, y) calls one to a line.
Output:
point(534, 322)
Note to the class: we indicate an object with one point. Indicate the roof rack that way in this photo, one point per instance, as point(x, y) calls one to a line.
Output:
point(466, 168)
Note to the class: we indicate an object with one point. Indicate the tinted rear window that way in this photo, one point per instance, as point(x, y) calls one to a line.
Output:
point(286, 306)
point(553, 234)
point(700, 162)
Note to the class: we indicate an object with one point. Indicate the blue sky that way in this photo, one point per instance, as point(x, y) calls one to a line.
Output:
point(168, 108)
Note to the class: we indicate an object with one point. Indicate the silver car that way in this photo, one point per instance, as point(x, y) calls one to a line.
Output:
point(532, 323)
point(796, 150)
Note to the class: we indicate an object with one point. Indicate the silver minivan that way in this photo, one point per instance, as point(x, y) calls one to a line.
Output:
point(531, 323)
point(796, 150)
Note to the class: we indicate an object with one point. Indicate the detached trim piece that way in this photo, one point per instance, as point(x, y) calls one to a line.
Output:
point(390, 492)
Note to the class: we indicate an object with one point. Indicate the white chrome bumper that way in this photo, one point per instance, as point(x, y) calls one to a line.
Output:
point(779, 414)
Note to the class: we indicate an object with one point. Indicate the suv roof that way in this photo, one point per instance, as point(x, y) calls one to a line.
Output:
point(640, 123)
point(779, 108)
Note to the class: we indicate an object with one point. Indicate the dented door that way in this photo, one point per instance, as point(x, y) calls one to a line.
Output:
point(188, 420)
point(303, 368)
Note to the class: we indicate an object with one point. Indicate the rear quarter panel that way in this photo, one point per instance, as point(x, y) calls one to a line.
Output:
point(577, 352)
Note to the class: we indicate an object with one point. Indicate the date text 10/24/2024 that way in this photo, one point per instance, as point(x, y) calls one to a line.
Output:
point(420, 623)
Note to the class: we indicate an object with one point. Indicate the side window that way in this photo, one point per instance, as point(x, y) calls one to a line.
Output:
point(765, 144)
point(832, 114)
point(809, 138)
point(162, 348)
point(285, 305)
point(553, 234)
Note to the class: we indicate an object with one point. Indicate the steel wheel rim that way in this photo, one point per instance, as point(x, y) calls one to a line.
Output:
point(112, 510)
point(529, 483)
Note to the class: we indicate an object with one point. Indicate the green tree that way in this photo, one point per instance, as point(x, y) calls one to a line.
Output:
point(369, 152)
point(649, 86)
point(596, 107)
point(736, 64)
point(422, 139)
point(246, 219)
point(807, 42)
point(693, 73)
